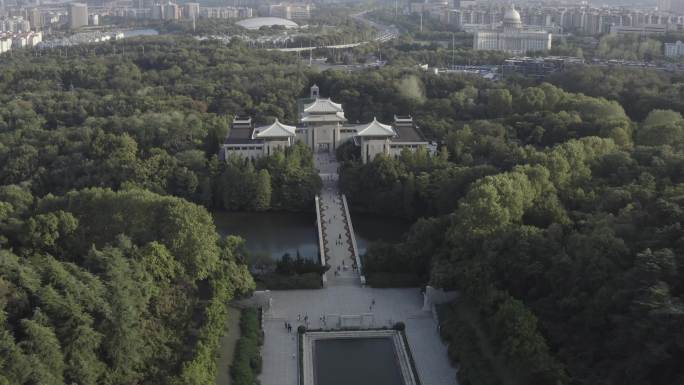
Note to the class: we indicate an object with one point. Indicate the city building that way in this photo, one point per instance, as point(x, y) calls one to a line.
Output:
point(673, 6)
point(291, 11)
point(172, 12)
point(323, 127)
point(78, 15)
point(14, 24)
point(157, 12)
point(191, 11)
point(641, 30)
point(19, 41)
point(674, 50)
point(512, 37)
point(34, 38)
point(35, 18)
point(5, 44)
point(225, 12)
point(538, 67)
point(557, 18)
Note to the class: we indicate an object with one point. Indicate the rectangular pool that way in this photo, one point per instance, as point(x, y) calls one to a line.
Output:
point(356, 361)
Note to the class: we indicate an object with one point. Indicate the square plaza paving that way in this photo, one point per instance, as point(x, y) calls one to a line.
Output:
point(344, 296)
point(391, 305)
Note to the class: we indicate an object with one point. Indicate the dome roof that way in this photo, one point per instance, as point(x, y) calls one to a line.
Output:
point(258, 22)
point(512, 16)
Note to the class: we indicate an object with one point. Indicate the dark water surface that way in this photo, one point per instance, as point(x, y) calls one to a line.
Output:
point(276, 233)
point(356, 361)
point(272, 233)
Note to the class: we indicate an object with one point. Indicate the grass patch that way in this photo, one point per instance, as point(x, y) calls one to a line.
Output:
point(227, 347)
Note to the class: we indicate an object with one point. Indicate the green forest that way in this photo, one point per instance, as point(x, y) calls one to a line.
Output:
point(557, 215)
point(555, 209)
point(112, 269)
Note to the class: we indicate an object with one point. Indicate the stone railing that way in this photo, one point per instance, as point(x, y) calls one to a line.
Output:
point(402, 354)
point(355, 248)
point(321, 245)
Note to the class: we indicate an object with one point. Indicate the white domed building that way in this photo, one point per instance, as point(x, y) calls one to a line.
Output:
point(512, 37)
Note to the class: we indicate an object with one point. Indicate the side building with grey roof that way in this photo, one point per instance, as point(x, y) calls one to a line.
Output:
point(323, 127)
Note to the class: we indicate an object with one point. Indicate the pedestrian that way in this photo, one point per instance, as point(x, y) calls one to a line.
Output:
point(286, 325)
point(299, 317)
point(373, 302)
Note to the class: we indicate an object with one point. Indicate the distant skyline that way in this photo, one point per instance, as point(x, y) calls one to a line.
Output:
point(633, 3)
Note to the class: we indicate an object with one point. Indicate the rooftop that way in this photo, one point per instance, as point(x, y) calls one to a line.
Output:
point(239, 135)
point(375, 128)
point(275, 130)
point(337, 117)
point(408, 133)
point(325, 106)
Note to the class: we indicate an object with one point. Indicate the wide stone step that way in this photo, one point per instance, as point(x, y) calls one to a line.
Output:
point(343, 281)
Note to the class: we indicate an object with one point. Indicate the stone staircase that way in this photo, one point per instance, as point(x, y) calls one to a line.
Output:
point(343, 280)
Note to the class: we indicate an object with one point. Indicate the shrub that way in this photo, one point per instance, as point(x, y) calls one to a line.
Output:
point(399, 326)
point(247, 361)
point(301, 329)
point(298, 265)
point(274, 281)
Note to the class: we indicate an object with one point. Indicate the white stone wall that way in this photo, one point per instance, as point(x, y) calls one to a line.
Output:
point(344, 135)
point(370, 148)
point(323, 134)
point(244, 150)
point(273, 146)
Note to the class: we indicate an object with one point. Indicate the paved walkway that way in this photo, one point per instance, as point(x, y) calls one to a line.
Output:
point(344, 296)
point(336, 236)
point(391, 305)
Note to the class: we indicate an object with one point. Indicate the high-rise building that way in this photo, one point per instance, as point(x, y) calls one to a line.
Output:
point(291, 11)
point(78, 15)
point(157, 11)
point(674, 50)
point(674, 6)
point(677, 6)
point(664, 5)
point(191, 11)
point(35, 18)
point(172, 11)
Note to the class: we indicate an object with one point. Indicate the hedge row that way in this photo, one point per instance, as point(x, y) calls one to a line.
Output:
point(201, 369)
point(276, 281)
point(247, 359)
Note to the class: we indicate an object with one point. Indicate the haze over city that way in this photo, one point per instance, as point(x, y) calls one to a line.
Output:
point(260, 192)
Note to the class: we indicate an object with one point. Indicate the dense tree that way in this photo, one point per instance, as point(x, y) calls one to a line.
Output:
point(102, 286)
